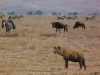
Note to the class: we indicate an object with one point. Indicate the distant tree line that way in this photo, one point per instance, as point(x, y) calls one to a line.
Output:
point(70, 13)
point(94, 14)
point(73, 13)
point(39, 12)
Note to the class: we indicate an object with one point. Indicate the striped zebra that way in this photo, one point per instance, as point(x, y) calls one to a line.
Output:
point(8, 24)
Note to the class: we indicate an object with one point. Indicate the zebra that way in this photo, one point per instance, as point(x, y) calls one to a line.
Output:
point(9, 24)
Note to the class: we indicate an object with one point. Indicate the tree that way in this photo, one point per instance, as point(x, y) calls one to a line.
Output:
point(75, 13)
point(11, 13)
point(54, 13)
point(38, 12)
point(30, 13)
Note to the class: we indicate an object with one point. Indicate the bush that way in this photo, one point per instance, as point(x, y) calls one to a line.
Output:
point(38, 12)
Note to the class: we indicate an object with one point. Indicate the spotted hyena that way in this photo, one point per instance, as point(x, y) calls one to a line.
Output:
point(70, 55)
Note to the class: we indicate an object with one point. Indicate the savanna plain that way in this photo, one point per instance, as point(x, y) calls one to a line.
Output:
point(28, 50)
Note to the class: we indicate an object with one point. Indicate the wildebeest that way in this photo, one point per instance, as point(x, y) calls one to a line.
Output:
point(79, 24)
point(12, 17)
point(70, 55)
point(15, 16)
point(59, 17)
point(68, 18)
point(90, 18)
point(19, 16)
point(2, 15)
point(8, 24)
point(59, 26)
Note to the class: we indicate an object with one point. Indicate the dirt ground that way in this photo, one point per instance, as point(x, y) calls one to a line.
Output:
point(28, 50)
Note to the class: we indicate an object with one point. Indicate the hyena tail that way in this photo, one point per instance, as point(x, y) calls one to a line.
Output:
point(83, 63)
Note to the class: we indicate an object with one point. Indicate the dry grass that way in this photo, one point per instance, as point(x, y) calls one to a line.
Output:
point(28, 50)
point(13, 34)
point(49, 35)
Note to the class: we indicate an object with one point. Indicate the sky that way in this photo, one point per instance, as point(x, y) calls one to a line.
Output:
point(48, 6)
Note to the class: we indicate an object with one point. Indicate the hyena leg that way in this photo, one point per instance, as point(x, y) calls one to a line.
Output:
point(83, 63)
point(66, 62)
point(80, 63)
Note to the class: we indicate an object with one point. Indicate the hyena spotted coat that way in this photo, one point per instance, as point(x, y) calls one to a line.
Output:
point(70, 55)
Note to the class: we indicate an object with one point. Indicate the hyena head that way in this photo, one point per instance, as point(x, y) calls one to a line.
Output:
point(56, 49)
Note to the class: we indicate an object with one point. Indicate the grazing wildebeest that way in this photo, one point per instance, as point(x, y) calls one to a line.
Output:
point(70, 55)
point(15, 16)
point(60, 18)
point(90, 18)
point(68, 18)
point(59, 26)
point(12, 17)
point(19, 16)
point(64, 16)
point(8, 24)
point(2, 15)
point(79, 24)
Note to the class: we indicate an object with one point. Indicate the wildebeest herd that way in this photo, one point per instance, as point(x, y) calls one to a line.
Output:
point(59, 26)
point(68, 18)
point(78, 24)
point(9, 24)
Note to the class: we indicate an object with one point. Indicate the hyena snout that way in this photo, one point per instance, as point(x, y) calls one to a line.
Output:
point(55, 51)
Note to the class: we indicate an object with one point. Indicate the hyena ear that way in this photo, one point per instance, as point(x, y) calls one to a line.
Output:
point(58, 47)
